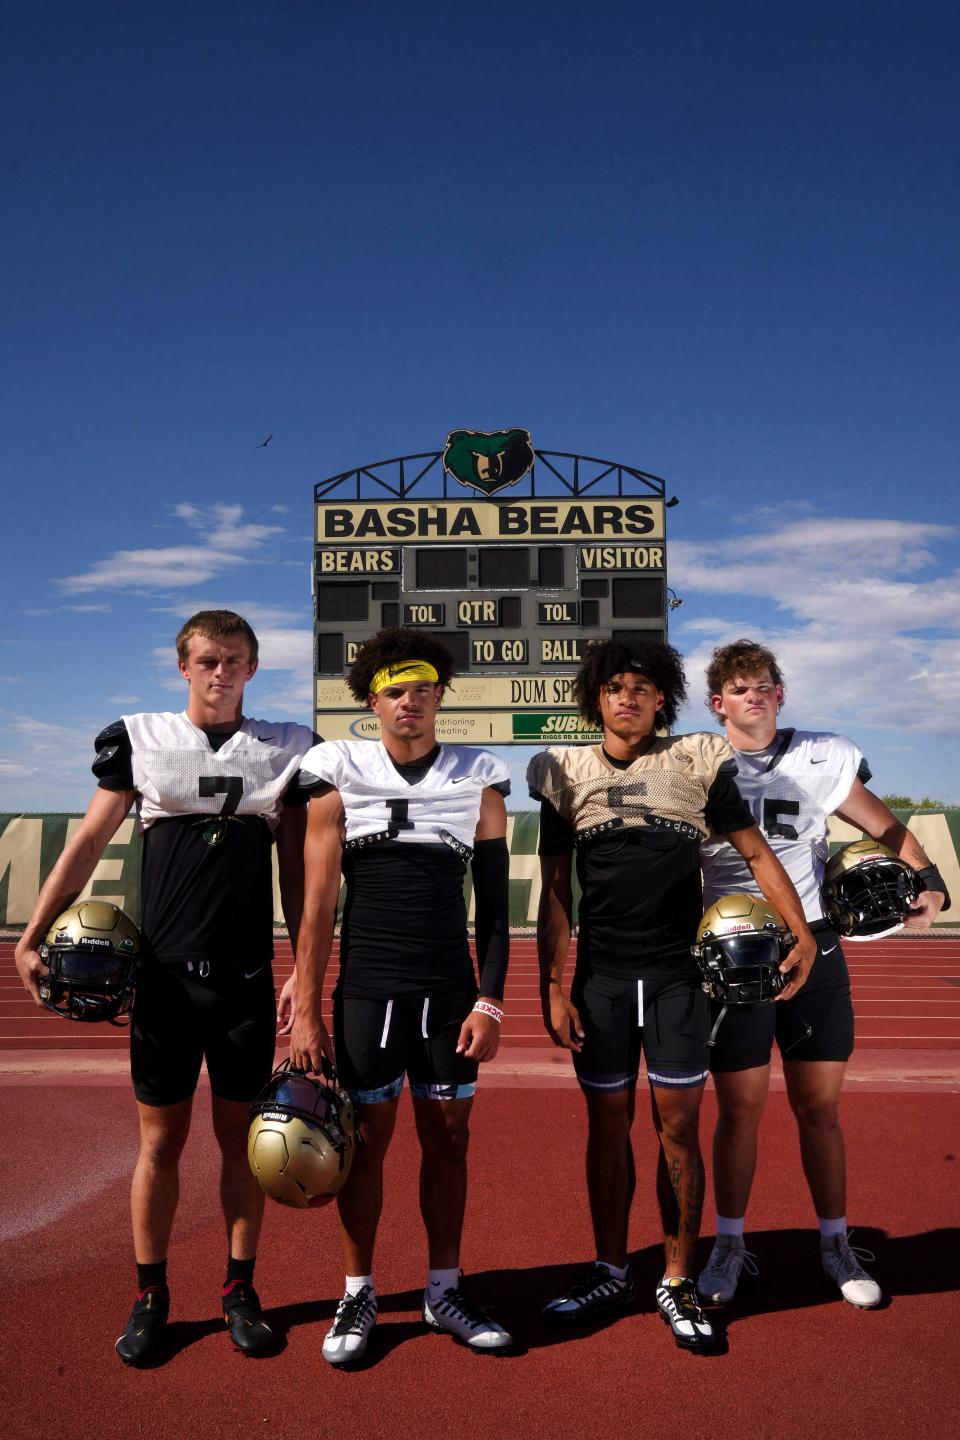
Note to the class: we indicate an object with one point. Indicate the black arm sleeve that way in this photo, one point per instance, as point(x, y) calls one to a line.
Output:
point(726, 810)
point(556, 834)
point(113, 763)
point(491, 886)
point(864, 773)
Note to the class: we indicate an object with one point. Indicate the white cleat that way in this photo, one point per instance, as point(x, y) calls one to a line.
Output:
point(347, 1339)
point(678, 1304)
point(842, 1263)
point(456, 1313)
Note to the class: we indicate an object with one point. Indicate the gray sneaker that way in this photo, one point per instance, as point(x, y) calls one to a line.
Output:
point(842, 1263)
point(719, 1279)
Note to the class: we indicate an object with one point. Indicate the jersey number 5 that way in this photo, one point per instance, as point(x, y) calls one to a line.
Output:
point(773, 825)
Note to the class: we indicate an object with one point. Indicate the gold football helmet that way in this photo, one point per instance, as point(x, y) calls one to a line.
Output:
point(302, 1138)
point(741, 943)
point(92, 951)
point(868, 890)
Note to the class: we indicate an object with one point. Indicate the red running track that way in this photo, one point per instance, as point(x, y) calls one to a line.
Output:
point(795, 1361)
point(906, 995)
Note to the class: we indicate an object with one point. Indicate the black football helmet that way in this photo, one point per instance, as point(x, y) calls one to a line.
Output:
point(741, 943)
point(302, 1138)
point(868, 890)
point(92, 951)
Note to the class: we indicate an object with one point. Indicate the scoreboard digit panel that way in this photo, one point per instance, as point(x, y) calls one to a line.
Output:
point(515, 587)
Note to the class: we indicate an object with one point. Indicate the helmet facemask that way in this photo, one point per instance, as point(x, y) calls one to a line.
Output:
point(91, 951)
point(301, 1140)
point(871, 901)
point(743, 969)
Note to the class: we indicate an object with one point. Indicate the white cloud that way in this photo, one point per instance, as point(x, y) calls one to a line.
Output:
point(17, 769)
point(221, 526)
point(69, 609)
point(152, 569)
point(867, 637)
point(228, 542)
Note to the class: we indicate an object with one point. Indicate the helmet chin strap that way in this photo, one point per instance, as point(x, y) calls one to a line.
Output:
point(716, 1026)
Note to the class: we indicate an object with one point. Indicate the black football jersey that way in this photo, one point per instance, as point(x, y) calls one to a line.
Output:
point(208, 804)
point(636, 829)
point(410, 831)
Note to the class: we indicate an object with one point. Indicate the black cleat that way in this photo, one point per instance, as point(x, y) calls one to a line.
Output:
point(679, 1304)
point(143, 1334)
point(593, 1293)
point(243, 1315)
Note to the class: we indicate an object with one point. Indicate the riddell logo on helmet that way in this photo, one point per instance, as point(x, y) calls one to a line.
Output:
point(736, 929)
point(275, 1115)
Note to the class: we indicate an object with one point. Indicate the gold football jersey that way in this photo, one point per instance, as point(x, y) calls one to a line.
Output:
point(667, 787)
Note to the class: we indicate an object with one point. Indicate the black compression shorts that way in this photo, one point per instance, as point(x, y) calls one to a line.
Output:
point(378, 1040)
point(817, 1024)
point(668, 1019)
point(179, 1019)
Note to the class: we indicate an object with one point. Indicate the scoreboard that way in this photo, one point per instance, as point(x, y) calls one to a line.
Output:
point(513, 583)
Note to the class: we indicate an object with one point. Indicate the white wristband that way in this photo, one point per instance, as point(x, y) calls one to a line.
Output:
point(485, 1008)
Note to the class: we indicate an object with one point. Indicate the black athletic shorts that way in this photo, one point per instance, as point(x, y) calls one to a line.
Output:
point(817, 1024)
point(668, 1019)
point(179, 1019)
point(378, 1040)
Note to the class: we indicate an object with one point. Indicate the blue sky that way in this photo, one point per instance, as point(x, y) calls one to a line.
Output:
point(715, 242)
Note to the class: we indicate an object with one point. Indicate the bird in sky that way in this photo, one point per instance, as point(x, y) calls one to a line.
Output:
point(264, 443)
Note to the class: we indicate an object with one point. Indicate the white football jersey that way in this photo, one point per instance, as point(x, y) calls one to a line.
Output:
point(443, 807)
point(176, 771)
point(791, 790)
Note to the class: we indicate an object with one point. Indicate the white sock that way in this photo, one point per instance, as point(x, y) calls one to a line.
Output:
point(440, 1281)
point(729, 1228)
point(614, 1270)
point(355, 1284)
point(829, 1229)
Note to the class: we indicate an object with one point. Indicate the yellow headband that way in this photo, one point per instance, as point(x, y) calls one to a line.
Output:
point(406, 672)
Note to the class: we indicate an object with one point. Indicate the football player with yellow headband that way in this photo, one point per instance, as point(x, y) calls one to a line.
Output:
point(402, 819)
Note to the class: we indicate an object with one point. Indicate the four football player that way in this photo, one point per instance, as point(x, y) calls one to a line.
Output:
point(402, 819)
point(214, 791)
point(635, 810)
point(792, 780)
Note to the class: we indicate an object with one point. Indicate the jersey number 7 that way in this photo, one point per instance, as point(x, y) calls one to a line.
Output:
point(231, 788)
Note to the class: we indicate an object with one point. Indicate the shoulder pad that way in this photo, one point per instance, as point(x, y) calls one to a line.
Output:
point(111, 735)
point(321, 765)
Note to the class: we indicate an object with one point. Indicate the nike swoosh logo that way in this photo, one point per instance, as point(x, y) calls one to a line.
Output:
point(831, 951)
point(821, 761)
point(266, 739)
point(248, 975)
point(460, 781)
